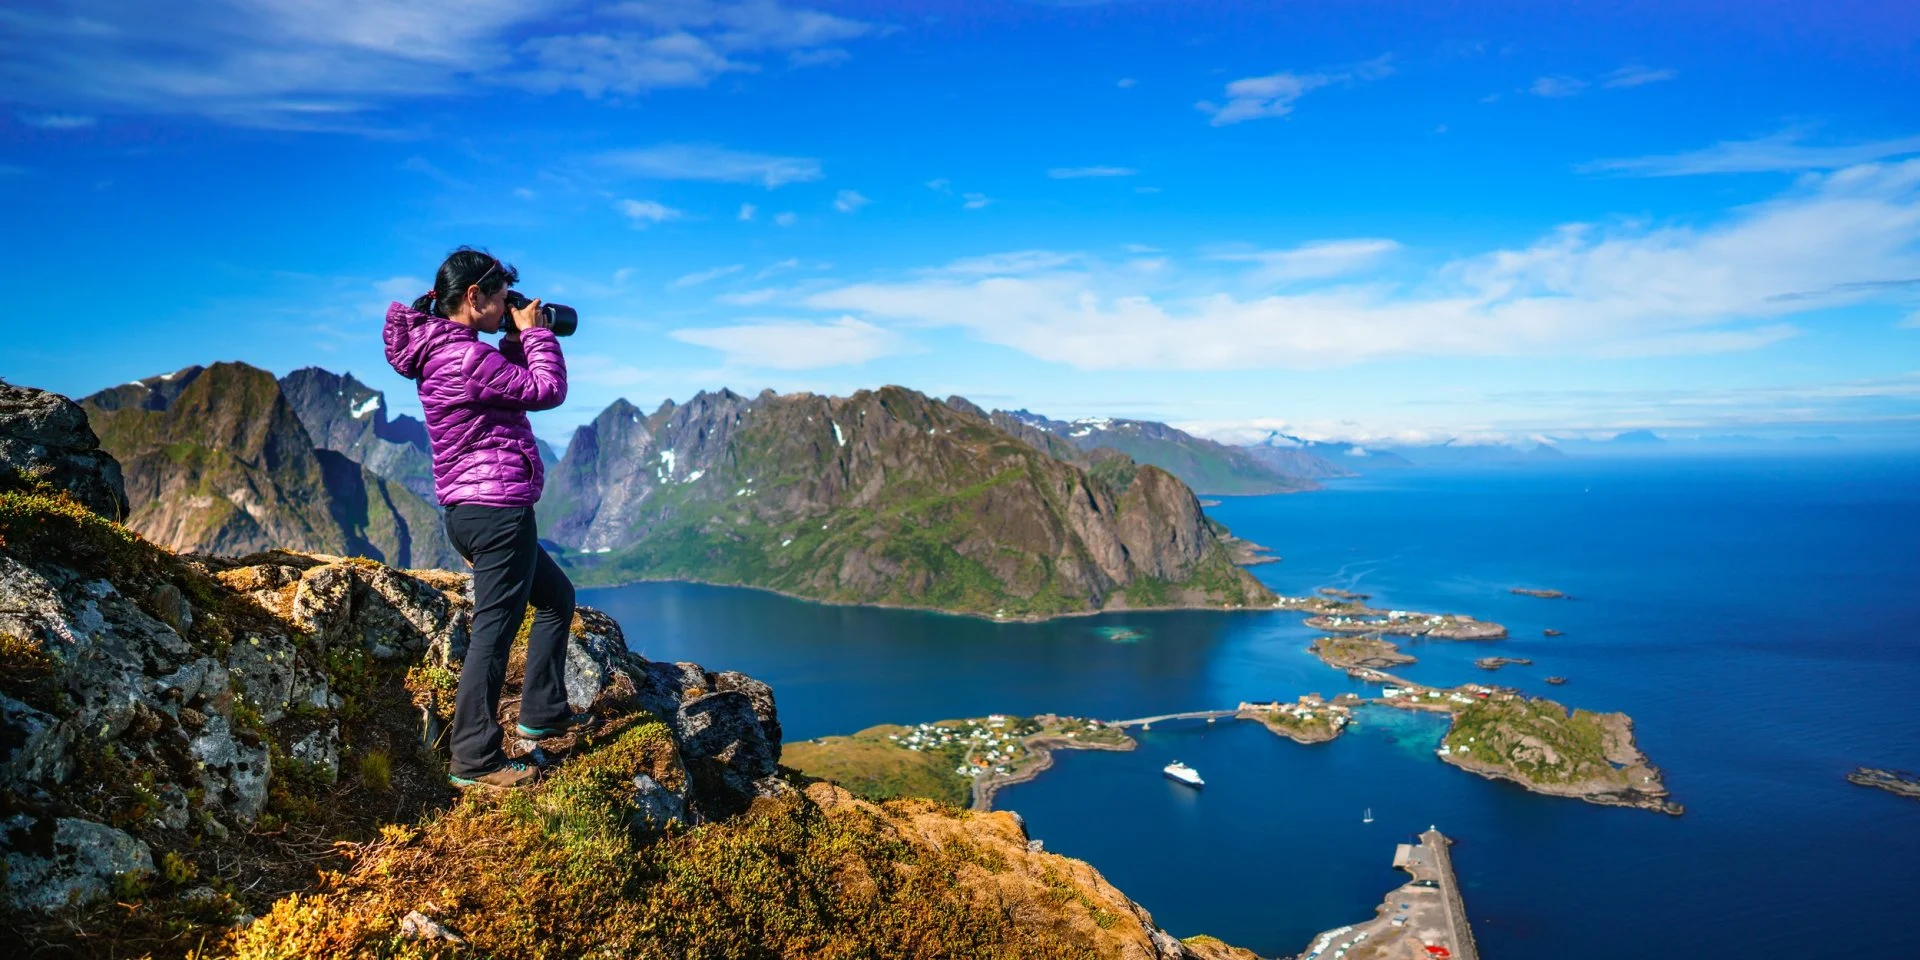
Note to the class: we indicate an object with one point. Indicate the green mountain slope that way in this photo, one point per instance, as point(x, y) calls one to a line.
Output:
point(216, 460)
point(886, 496)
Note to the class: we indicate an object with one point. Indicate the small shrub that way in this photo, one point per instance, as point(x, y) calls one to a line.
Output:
point(376, 770)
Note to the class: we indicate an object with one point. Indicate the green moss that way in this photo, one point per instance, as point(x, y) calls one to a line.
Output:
point(1511, 733)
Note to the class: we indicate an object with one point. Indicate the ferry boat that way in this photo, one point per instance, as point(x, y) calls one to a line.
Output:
point(1183, 773)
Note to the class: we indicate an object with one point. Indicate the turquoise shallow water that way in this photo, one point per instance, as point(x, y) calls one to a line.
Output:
point(1757, 618)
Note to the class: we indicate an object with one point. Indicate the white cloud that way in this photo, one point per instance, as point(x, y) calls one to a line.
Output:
point(698, 161)
point(702, 276)
point(748, 298)
point(646, 212)
point(1126, 83)
point(1781, 152)
point(1634, 75)
point(1583, 289)
point(785, 219)
point(796, 345)
point(59, 121)
point(974, 201)
point(778, 266)
point(1314, 261)
point(1077, 173)
point(1139, 248)
point(940, 185)
point(307, 65)
point(1912, 322)
point(847, 201)
point(603, 371)
point(747, 210)
point(1557, 86)
point(1254, 98)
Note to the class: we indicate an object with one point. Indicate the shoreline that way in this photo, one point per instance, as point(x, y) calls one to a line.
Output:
point(1042, 746)
point(990, 618)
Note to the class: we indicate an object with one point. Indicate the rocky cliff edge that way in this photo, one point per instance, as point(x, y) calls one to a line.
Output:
point(216, 757)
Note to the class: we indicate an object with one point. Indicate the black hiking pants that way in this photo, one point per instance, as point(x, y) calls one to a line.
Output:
point(510, 571)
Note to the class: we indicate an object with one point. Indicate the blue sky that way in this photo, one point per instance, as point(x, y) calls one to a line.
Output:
point(1347, 220)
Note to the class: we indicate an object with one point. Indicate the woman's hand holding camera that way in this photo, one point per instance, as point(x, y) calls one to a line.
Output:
point(525, 318)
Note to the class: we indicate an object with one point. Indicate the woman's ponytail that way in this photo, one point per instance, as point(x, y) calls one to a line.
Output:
point(462, 269)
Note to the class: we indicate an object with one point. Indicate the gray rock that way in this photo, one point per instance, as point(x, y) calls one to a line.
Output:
point(418, 926)
point(323, 603)
point(594, 654)
point(1036, 846)
point(725, 751)
point(233, 774)
point(172, 608)
point(53, 863)
point(264, 670)
point(45, 438)
point(33, 745)
point(658, 806)
point(321, 749)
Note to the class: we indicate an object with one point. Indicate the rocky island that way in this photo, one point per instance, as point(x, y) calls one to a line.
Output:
point(1350, 653)
point(961, 762)
point(1439, 626)
point(1502, 734)
point(1542, 594)
point(1893, 781)
point(1495, 663)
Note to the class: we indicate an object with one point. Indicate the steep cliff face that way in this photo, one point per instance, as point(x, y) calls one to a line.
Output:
point(350, 418)
point(216, 460)
point(1205, 465)
point(194, 742)
point(886, 496)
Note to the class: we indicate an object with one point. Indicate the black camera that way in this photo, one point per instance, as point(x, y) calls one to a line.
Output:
point(558, 317)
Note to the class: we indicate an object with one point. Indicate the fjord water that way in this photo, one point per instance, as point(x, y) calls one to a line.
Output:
point(1759, 619)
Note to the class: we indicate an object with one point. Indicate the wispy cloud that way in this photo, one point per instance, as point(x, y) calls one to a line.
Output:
point(1273, 95)
point(709, 162)
point(1557, 86)
point(747, 210)
point(307, 65)
point(1782, 152)
point(1313, 261)
point(940, 185)
point(796, 345)
point(1126, 83)
point(974, 201)
point(645, 213)
point(1634, 75)
point(59, 121)
point(1600, 290)
point(848, 201)
point(702, 276)
point(785, 218)
point(1077, 173)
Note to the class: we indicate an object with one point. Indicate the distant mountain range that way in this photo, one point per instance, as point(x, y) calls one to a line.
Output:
point(887, 496)
point(1209, 467)
point(223, 460)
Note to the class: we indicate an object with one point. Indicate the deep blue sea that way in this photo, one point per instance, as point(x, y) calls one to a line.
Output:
point(1759, 619)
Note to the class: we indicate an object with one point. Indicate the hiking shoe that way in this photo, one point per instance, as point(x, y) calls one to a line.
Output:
point(561, 727)
point(508, 776)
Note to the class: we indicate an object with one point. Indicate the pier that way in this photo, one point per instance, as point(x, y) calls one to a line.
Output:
point(1423, 919)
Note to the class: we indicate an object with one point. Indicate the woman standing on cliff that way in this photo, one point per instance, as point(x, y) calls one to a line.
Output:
point(488, 475)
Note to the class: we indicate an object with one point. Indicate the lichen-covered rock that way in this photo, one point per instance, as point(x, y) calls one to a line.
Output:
point(45, 439)
point(232, 772)
point(263, 672)
point(594, 652)
point(320, 750)
point(55, 862)
point(33, 744)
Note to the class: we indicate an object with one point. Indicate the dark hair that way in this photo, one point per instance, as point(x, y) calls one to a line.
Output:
point(462, 269)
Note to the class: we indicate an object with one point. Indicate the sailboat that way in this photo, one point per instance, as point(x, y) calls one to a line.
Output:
point(1369, 816)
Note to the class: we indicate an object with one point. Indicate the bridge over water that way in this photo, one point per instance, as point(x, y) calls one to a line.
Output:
point(1146, 722)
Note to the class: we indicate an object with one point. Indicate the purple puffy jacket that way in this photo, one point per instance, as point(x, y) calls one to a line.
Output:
point(476, 400)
